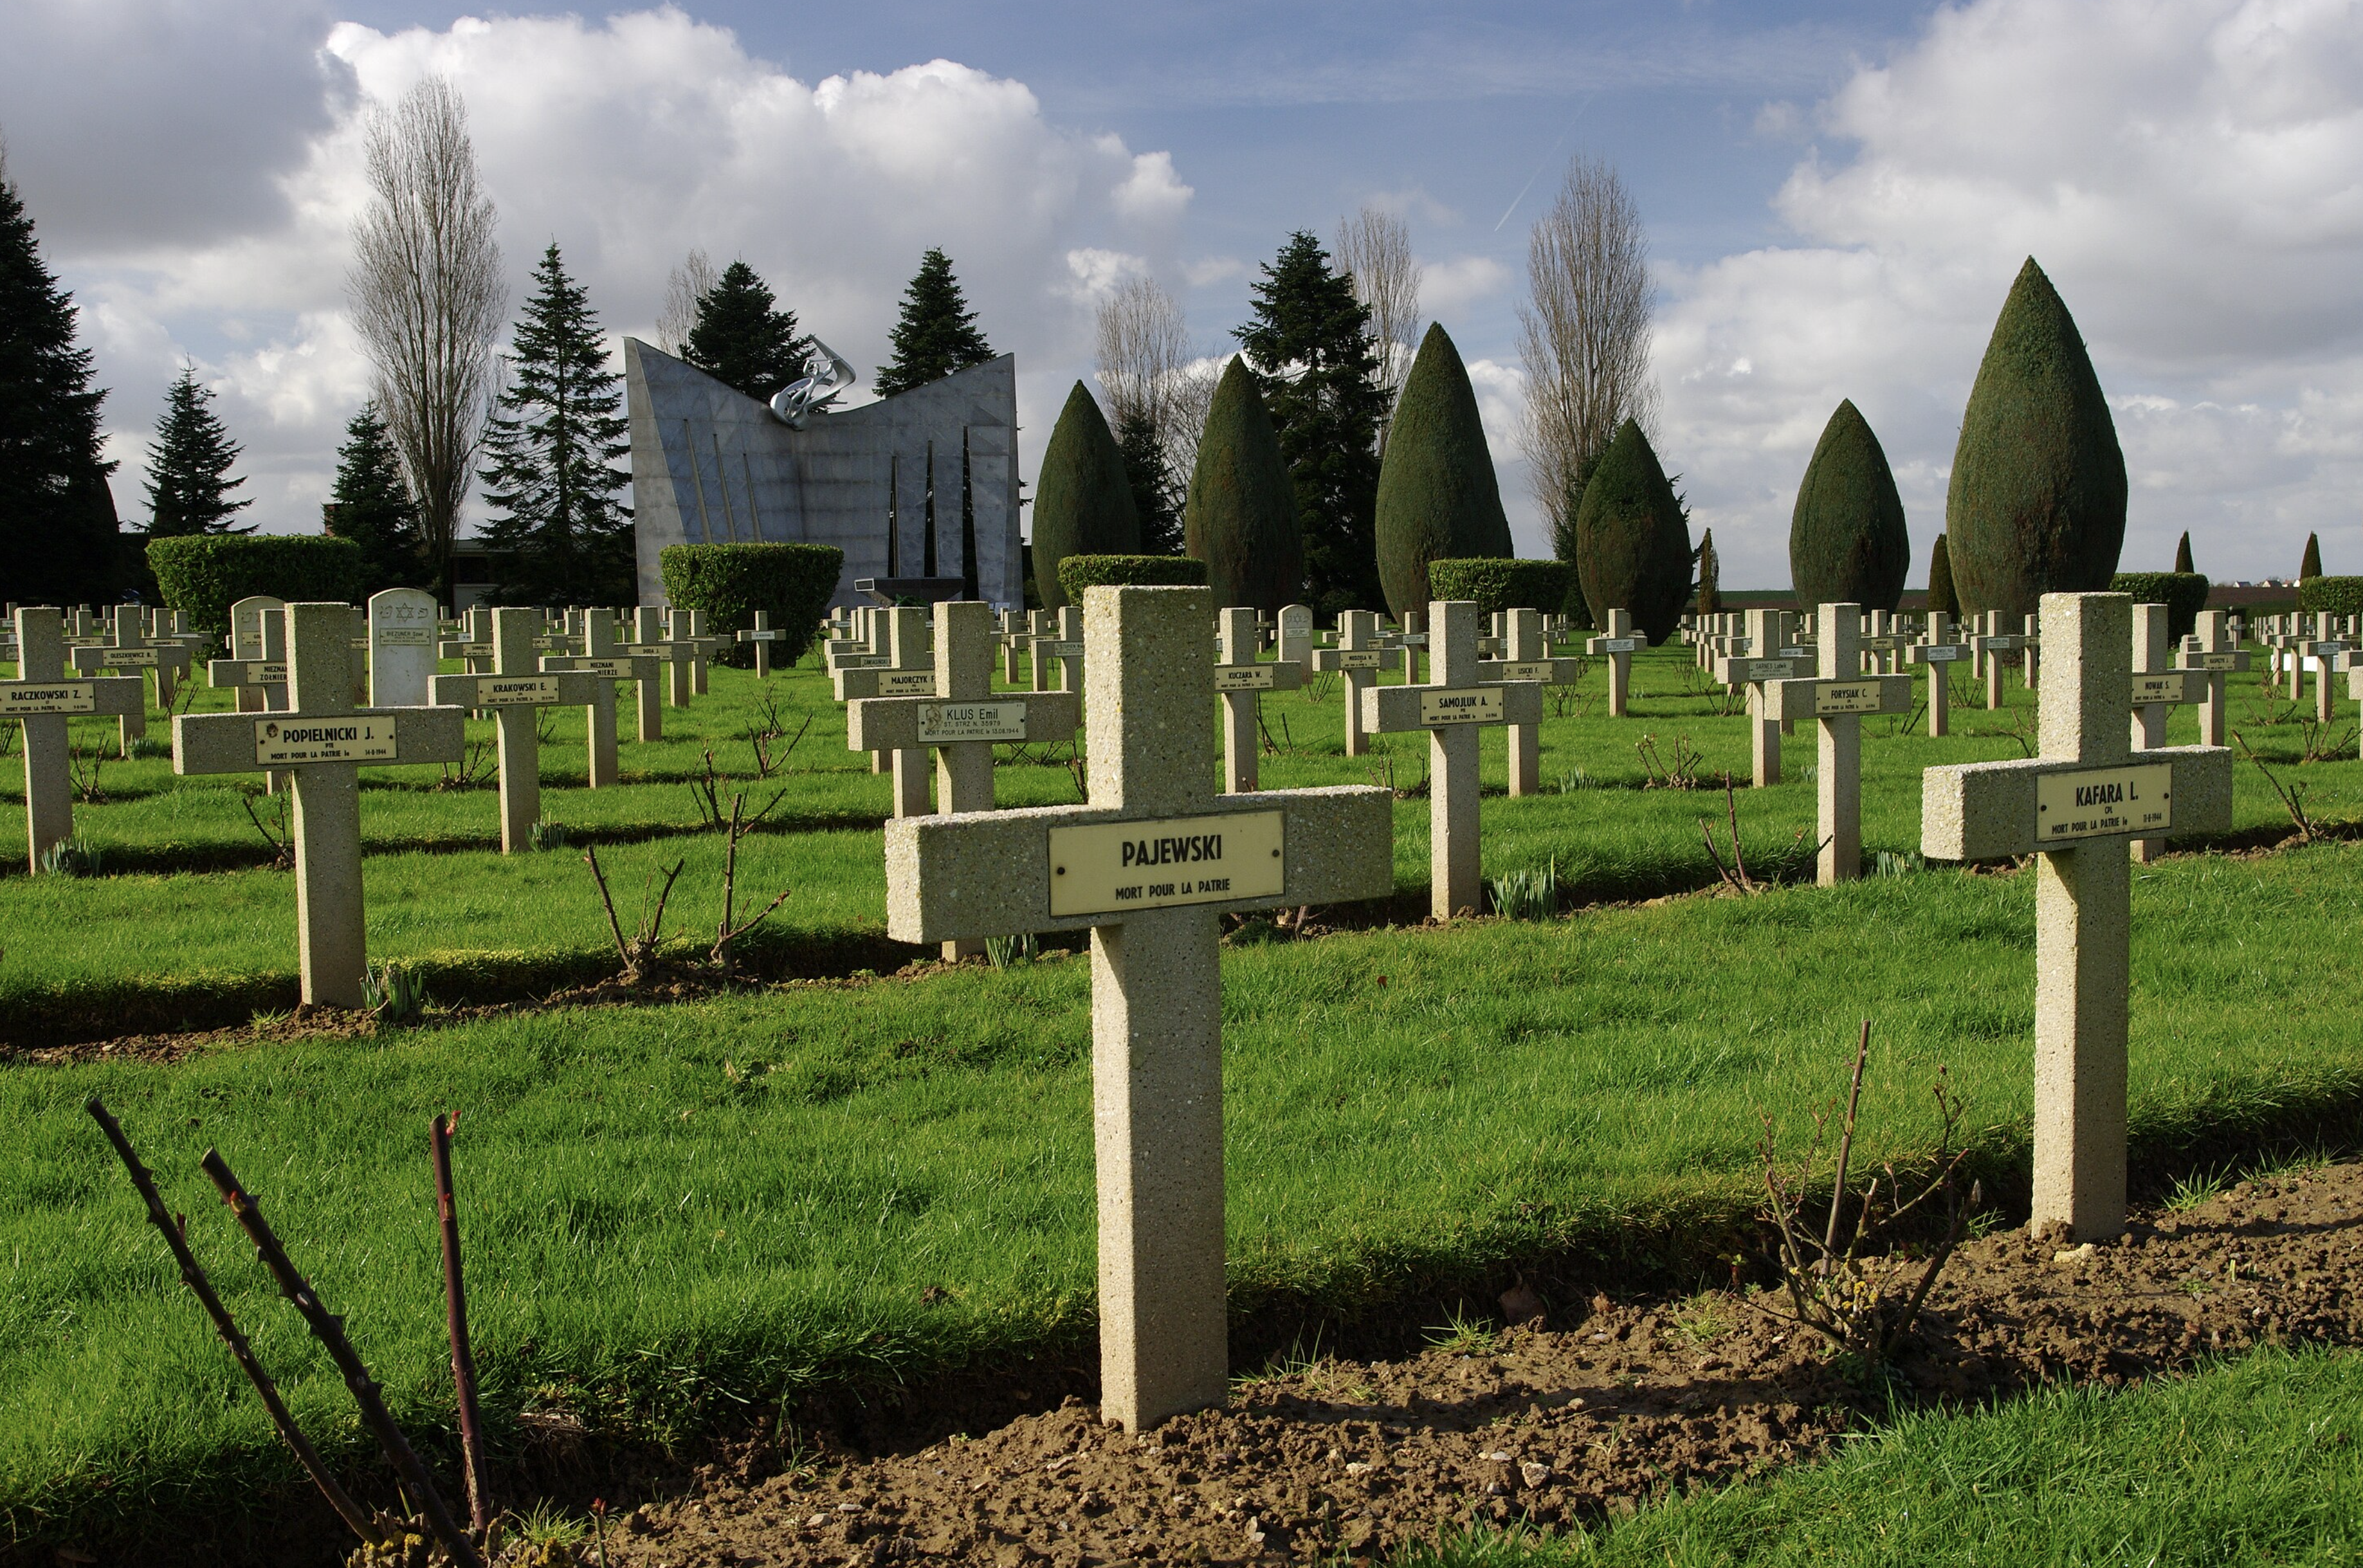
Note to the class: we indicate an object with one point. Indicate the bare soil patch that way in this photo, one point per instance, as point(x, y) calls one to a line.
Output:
point(1602, 1406)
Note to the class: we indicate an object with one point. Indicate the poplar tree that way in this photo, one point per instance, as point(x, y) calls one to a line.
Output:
point(937, 333)
point(188, 466)
point(1310, 349)
point(560, 534)
point(372, 506)
point(742, 337)
point(57, 518)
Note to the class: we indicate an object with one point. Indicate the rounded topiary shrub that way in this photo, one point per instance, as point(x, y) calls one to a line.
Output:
point(2184, 595)
point(2331, 595)
point(203, 574)
point(1499, 583)
point(728, 582)
point(1078, 572)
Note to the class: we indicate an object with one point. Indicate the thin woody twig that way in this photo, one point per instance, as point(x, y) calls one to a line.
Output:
point(455, 1302)
point(176, 1237)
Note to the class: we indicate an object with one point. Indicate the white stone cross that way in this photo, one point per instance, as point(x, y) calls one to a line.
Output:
point(1838, 695)
point(650, 641)
point(514, 692)
point(324, 741)
point(2325, 648)
point(1148, 867)
point(603, 657)
point(129, 648)
point(762, 637)
point(257, 665)
point(1769, 657)
point(1937, 650)
point(41, 698)
point(1061, 637)
point(2076, 805)
point(2213, 651)
point(909, 671)
point(1526, 657)
point(1413, 641)
point(474, 643)
point(1241, 678)
point(1451, 707)
point(1990, 645)
point(402, 648)
point(1617, 641)
point(1362, 652)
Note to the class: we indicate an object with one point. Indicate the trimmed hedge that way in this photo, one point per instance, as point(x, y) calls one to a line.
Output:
point(1077, 572)
point(728, 582)
point(2184, 595)
point(2331, 595)
point(1500, 583)
point(203, 574)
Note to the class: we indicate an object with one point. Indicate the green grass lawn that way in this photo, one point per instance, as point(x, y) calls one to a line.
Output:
point(677, 1213)
point(2256, 1461)
point(435, 886)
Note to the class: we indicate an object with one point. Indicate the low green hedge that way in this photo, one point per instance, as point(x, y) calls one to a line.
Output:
point(728, 582)
point(203, 574)
point(2184, 595)
point(1077, 572)
point(2331, 595)
point(1498, 582)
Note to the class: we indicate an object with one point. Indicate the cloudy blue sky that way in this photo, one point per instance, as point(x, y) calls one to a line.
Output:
point(1838, 196)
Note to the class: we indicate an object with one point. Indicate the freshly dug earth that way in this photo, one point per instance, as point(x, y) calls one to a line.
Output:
point(1607, 1406)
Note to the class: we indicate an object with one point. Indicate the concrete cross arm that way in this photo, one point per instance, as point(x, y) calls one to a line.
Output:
point(1389, 710)
point(2213, 662)
point(678, 651)
point(2161, 686)
point(855, 685)
point(463, 650)
point(2004, 643)
point(1067, 868)
point(1809, 698)
point(609, 668)
point(1280, 675)
point(116, 695)
point(764, 634)
point(1325, 660)
point(257, 742)
point(147, 656)
point(1545, 672)
point(246, 672)
point(904, 724)
point(570, 689)
point(1939, 652)
point(1633, 643)
point(1747, 672)
point(1982, 811)
point(856, 659)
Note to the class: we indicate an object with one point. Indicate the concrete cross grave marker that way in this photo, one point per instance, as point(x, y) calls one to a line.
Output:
point(2212, 653)
point(324, 741)
point(762, 637)
point(603, 656)
point(1938, 650)
point(910, 672)
point(2325, 648)
point(1065, 644)
point(42, 698)
point(962, 720)
point(257, 665)
point(2155, 687)
point(1042, 631)
point(1362, 652)
point(514, 693)
point(1770, 657)
point(650, 641)
point(1838, 695)
point(1618, 641)
point(1450, 708)
point(1241, 678)
point(474, 643)
point(1148, 867)
point(2076, 804)
point(1527, 658)
point(1992, 645)
point(1413, 641)
point(402, 648)
point(128, 650)
point(167, 625)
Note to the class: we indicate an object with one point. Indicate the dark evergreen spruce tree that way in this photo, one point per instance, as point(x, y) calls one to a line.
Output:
point(1310, 348)
point(2310, 563)
point(937, 333)
point(57, 519)
point(1151, 478)
point(188, 467)
point(1942, 600)
point(559, 534)
point(2183, 553)
point(742, 337)
point(372, 506)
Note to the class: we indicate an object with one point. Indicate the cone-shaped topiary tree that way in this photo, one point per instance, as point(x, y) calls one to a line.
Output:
point(2310, 563)
point(2183, 553)
point(2037, 501)
point(1082, 501)
point(1438, 499)
point(1240, 519)
point(1709, 577)
point(1847, 544)
point(1632, 544)
point(1942, 600)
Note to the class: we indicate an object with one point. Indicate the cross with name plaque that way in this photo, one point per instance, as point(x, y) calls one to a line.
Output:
point(2075, 806)
point(1618, 641)
point(1937, 650)
point(1362, 652)
point(257, 665)
point(1240, 680)
point(909, 671)
point(1527, 657)
point(1769, 657)
point(324, 741)
point(1991, 645)
point(128, 650)
point(2325, 648)
point(1060, 638)
point(1450, 708)
point(41, 699)
point(603, 656)
point(1148, 867)
point(474, 643)
point(762, 637)
point(1838, 695)
point(514, 693)
point(2212, 653)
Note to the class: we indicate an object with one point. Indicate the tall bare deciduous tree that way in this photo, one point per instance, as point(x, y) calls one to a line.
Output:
point(1584, 337)
point(428, 300)
point(1374, 248)
point(1151, 380)
point(690, 283)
